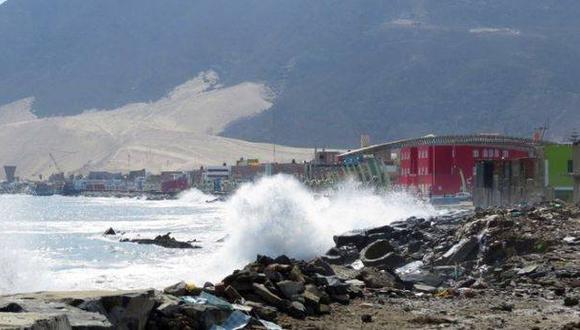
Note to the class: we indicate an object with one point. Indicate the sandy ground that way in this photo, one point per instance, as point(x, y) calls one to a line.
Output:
point(480, 312)
point(177, 132)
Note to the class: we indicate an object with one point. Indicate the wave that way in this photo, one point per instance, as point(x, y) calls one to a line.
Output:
point(278, 215)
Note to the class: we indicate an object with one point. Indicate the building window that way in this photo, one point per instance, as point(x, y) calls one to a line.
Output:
point(475, 153)
point(570, 166)
point(505, 154)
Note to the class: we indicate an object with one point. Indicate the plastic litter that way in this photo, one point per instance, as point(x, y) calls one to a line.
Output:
point(236, 320)
point(208, 299)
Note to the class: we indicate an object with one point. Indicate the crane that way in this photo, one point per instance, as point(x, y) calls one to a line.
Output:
point(55, 163)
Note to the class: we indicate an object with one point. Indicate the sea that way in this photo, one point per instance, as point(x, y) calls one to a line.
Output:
point(57, 243)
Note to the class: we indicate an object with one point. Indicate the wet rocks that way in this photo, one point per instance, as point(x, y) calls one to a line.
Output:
point(165, 241)
point(109, 231)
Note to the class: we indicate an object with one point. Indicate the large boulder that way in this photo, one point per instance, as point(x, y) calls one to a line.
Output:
point(35, 321)
point(290, 288)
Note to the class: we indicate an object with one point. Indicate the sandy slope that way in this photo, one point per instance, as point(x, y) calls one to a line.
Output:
point(178, 131)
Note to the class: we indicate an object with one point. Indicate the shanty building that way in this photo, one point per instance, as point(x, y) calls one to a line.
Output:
point(443, 165)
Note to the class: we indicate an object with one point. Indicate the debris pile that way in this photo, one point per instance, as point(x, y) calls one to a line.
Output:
point(532, 247)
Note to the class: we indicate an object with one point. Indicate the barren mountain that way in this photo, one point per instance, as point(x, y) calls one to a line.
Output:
point(178, 131)
point(391, 69)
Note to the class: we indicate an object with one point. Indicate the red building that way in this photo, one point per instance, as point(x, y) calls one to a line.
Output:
point(445, 169)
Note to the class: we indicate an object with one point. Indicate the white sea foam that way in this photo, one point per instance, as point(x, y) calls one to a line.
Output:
point(56, 243)
point(278, 215)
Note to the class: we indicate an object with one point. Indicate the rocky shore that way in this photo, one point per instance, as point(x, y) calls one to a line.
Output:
point(499, 268)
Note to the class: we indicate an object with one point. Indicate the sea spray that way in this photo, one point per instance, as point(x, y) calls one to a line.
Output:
point(278, 215)
point(20, 269)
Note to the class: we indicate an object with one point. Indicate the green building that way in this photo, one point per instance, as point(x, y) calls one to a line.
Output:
point(558, 169)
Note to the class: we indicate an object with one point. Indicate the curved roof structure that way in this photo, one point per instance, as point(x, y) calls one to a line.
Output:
point(473, 140)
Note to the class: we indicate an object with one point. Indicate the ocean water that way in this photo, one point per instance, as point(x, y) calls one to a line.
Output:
point(57, 243)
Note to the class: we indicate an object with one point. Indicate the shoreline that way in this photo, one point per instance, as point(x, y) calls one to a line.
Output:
point(509, 268)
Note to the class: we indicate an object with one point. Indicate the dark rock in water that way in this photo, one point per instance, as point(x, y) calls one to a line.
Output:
point(110, 231)
point(379, 254)
point(11, 308)
point(165, 241)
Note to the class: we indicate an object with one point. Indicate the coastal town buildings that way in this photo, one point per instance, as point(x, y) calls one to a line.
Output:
point(441, 165)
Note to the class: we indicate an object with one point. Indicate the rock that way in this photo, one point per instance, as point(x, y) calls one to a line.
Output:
point(528, 270)
point(374, 278)
point(296, 275)
point(264, 312)
point(357, 238)
point(323, 309)
point(366, 318)
point(319, 266)
point(284, 260)
point(385, 230)
point(50, 311)
point(505, 307)
point(424, 288)
point(341, 298)
point(203, 316)
point(460, 252)
point(377, 254)
point(479, 284)
point(109, 231)
point(290, 288)
point(34, 321)
point(124, 310)
point(570, 301)
point(297, 310)
point(11, 308)
point(266, 294)
point(165, 241)
point(232, 294)
point(311, 302)
point(264, 260)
